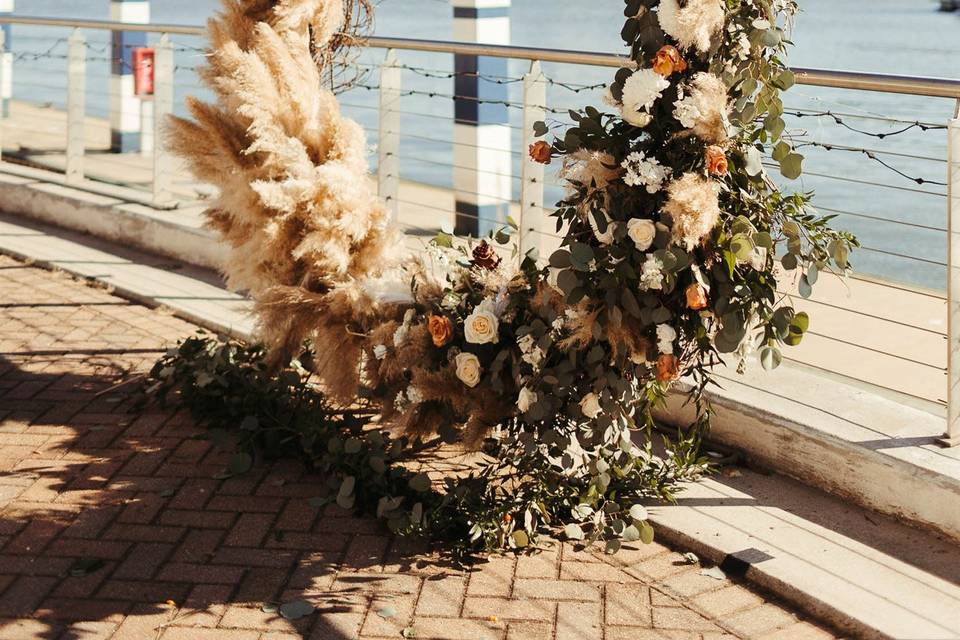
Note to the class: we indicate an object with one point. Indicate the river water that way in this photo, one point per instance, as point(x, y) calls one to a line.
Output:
point(885, 36)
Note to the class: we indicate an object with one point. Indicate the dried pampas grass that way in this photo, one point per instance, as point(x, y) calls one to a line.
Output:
point(695, 24)
point(309, 238)
point(694, 209)
point(705, 109)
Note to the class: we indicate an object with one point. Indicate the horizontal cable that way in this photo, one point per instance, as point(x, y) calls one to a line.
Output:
point(814, 112)
point(878, 351)
point(902, 256)
point(456, 166)
point(873, 156)
point(865, 182)
point(412, 136)
point(880, 219)
point(908, 126)
point(829, 146)
point(867, 315)
point(858, 381)
point(891, 285)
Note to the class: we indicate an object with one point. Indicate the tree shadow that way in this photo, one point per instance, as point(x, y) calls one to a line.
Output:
point(115, 518)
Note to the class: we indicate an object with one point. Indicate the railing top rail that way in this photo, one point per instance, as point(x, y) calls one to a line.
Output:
point(886, 83)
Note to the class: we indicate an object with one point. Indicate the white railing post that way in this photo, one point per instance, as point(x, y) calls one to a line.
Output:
point(532, 220)
point(76, 105)
point(952, 437)
point(388, 147)
point(162, 107)
point(4, 81)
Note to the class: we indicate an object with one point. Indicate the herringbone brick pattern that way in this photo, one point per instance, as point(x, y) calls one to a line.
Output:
point(186, 556)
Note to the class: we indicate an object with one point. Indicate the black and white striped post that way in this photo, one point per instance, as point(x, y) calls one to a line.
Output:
point(6, 59)
point(481, 136)
point(125, 115)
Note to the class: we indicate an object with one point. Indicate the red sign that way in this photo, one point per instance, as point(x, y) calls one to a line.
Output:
point(143, 71)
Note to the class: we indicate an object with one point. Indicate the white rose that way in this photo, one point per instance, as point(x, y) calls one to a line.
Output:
point(590, 405)
point(481, 327)
point(526, 399)
point(665, 337)
point(642, 232)
point(636, 118)
point(468, 369)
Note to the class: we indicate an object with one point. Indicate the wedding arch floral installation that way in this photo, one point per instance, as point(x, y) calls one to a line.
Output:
point(675, 240)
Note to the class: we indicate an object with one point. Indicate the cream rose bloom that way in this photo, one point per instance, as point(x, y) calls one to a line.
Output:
point(468, 369)
point(526, 399)
point(642, 232)
point(590, 405)
point(481, 326)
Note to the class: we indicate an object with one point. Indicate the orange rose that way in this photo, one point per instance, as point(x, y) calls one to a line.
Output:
point(668, 61)
point(541, 152)
point(696, 297)
point(716, 161)
point(667, 368)
point(441, 330)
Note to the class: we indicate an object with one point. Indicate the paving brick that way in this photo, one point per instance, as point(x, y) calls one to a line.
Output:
point(144, 561)
point(680, 618)
point(542, 564)
point(509, 609)
point(250, 530)
point(442, 596)
point(530, 631)
point(24, 595)
point(193, 633)
point(726, 600)
point(556, 590)
point(198, 519)
point(628, 605)
point(579, 621)
point(456, 629)
point(494, 578)
point(200, 574)
point(389, 615)
point(759, 621)
point(799, 631)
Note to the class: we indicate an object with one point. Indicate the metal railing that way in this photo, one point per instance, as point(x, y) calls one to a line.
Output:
point(894, 327)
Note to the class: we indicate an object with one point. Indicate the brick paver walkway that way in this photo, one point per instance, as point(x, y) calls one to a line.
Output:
point(186, 556)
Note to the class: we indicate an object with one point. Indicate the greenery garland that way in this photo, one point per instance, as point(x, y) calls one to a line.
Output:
point(674, 240)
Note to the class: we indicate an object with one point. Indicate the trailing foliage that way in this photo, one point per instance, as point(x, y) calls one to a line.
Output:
point(514, 493)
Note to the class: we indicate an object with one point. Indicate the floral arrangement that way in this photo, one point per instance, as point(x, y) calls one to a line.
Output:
point(675, 240)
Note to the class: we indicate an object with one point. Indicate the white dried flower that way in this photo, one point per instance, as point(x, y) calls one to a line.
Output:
point(607, 236)
point(526, 399)
point(666, 335)
point(640, 92)
point(651, 274)
point(380, 351)
point(642, 232)
point(414, 395)
point(644, 172)
point(694, 209)
point(705, 108)
point(590, 405)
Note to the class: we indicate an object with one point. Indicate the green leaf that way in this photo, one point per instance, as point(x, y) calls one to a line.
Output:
point(630, 534)
point(639, 512)
point(612, 547)
point(352, 445)
point(646, 533)
point(786, 79)
point(573, 532)
point(240, 463)
point(792, 166)
point(789, 261)
point(347, 486)
point(754, 162)
point(540, 128)
point(521, 539)
point(296, 609)
point(805, 288)
point(780, 151)
point(420, 482)
point(85, 566)
point(770, 358)
point(560, 259)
